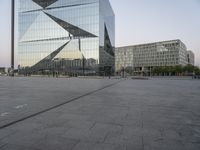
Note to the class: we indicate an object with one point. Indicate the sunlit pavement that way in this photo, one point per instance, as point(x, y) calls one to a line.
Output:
point(99, 114)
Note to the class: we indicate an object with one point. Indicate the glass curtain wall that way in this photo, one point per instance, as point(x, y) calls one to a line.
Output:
point(106, 38)
point(59, 36)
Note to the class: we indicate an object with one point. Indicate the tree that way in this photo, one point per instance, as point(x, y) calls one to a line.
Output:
point(178, 69)
point(188, 68)
point(167, 70)
point(157, 70)
point(196, 70)
point(172, 70)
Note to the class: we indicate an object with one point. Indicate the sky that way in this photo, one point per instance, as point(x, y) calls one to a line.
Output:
point(137, 22)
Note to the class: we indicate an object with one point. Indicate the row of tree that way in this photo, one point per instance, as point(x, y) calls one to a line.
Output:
point(176, 70)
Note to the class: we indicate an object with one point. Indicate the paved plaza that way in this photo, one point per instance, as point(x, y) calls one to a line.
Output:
point(99, 114)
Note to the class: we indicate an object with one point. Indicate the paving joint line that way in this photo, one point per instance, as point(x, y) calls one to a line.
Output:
point(57, 106)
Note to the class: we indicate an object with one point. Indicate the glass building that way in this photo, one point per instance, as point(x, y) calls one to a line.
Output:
point(71, 37)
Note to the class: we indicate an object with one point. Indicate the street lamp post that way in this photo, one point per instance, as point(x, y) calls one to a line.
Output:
point(12, 35)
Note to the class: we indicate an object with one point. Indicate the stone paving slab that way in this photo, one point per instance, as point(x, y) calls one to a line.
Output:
point(130, 115)
point(21, 97)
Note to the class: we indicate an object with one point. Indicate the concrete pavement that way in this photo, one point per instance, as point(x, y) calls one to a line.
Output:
point(99, 114)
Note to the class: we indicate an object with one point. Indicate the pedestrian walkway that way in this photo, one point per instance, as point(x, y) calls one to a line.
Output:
point(99, 114)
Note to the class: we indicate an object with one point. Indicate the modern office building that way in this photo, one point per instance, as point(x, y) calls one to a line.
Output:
point(190, 58)
point(144, 57)
point(66, 36)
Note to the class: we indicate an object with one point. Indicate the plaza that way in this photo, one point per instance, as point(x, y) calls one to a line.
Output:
point(99, 114)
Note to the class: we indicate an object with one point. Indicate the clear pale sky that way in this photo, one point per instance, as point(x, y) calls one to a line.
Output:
point(137, 22)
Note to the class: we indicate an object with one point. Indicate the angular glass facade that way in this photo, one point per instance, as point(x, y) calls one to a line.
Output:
point(66, 36)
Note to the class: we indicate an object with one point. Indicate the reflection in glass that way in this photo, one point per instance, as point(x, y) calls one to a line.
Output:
point(66, 36)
